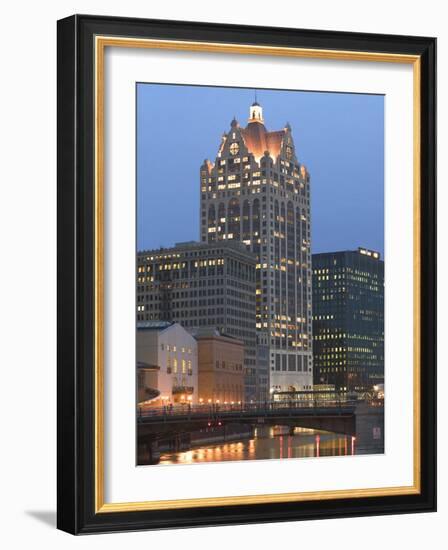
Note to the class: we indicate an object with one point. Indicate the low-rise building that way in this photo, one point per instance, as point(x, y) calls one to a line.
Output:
point(147, 384)
point(172, 352)
point(204, 285)
point(220, 367)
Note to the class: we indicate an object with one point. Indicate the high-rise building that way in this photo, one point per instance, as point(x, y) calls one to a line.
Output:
point(258, 192)
point(203, 285)
point(348, 319)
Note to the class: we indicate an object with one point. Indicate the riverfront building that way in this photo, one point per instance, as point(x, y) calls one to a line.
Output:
point(147, 384)
point(220, 368)
point(203, 285)
point(348, 319)
point(257, 192)
point(167, 364)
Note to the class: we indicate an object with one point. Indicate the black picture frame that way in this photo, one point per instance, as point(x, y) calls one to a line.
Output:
point(76, 255)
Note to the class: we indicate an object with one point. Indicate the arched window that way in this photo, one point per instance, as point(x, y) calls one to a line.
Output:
point(221, 222)
point(290, 231)
point(291, 272)
point(246, 222)
point(233, 226)
point(211, 223)
point(256, 229)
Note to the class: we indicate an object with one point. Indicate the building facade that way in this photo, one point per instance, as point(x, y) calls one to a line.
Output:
point(203, 285)
point(258, 192)
point(348, 319)
point(148, 393)
point(220, 368)
point(171, 353)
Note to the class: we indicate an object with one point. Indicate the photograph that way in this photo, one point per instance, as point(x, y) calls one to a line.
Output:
point(259, 274)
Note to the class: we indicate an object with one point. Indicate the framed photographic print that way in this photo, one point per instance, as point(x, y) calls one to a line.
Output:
point(246, 274)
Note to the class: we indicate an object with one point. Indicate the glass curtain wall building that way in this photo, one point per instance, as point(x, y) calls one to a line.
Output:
point(348, 319)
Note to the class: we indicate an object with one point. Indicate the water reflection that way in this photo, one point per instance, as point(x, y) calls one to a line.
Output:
point(269, 443)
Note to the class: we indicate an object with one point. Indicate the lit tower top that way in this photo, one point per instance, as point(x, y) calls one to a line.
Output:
point(258, 139)
point(255, 138)
point(256, 113)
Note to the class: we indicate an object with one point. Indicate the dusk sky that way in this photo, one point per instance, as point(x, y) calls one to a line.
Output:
point(338, 137)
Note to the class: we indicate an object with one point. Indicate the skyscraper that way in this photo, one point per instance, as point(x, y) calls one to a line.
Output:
point(348, 319)
point(258, 192)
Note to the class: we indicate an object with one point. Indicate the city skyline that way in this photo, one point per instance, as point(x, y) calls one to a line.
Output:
point(338, 137)
point(234, 259)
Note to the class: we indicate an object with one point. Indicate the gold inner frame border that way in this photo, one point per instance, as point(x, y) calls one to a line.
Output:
point(100, 44)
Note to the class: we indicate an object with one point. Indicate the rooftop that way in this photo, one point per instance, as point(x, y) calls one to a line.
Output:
point(212, 332)
point(154, 325)
point(360, 250)
point(230, 245)
point(147, 366)
point(257, 138)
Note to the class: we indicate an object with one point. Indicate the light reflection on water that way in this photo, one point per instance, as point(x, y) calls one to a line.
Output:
point(272, 443)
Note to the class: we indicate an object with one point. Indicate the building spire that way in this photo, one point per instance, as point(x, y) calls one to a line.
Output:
point(256, 111)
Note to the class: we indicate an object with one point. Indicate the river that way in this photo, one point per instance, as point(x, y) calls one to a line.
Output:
point(277, 442)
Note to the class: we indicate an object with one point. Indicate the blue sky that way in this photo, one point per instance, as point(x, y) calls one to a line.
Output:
point(339, 137)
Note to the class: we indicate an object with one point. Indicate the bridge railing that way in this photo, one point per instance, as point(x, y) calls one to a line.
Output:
point(262, 407)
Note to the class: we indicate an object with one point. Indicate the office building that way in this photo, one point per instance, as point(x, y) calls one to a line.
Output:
point(258, 192)
point(203, 285)
point(348, 319)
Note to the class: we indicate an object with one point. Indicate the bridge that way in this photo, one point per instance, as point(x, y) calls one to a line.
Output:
point(175, 424)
